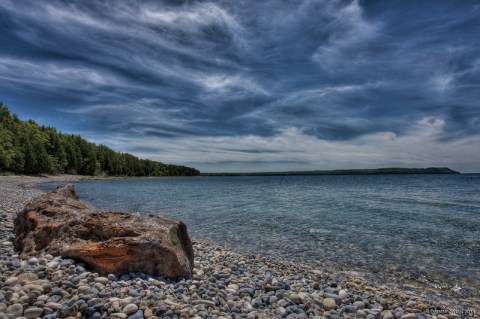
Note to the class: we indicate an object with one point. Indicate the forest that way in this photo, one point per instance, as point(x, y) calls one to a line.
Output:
point(28, 148)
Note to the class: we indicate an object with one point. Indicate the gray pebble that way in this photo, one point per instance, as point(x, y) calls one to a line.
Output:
point(136, 315)
point(130, 308)
point(15, 310)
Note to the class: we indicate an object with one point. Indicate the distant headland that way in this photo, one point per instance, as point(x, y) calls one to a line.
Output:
point(375, 171)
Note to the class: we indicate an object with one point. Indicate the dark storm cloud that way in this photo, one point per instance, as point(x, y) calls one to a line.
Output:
point(248, 73)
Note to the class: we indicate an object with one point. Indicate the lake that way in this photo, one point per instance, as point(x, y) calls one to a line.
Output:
point(423, 228)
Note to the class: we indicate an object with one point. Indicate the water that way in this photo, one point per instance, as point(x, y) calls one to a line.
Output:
point(407, 227)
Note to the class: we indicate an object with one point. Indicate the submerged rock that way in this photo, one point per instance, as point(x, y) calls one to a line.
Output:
point(57, 223)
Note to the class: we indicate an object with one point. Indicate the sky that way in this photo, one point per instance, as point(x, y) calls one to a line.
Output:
point(236, 86)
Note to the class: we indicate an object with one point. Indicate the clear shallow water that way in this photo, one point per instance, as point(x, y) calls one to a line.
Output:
point(422, 227)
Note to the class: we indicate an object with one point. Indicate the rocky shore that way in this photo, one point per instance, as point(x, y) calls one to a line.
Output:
point(224, 285)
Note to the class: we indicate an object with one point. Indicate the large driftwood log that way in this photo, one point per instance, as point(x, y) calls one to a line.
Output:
point(108, 242)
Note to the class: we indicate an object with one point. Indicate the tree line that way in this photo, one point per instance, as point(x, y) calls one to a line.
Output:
point(26, 147)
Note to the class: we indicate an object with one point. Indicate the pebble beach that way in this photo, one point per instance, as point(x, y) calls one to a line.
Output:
point(225, 284)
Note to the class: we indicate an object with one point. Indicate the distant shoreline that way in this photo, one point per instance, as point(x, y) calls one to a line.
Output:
point(32, 180)
point(376, 171)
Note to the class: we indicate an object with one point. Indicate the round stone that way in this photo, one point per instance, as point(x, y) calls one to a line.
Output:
point(359, 304)
point(130, 308)
point(272, 300)
point(387, 314)
point(280, 311)
point(361, 314)
point(15, 310)
point(33, 261)
point(295, 298)
point(84, 289)
point(329, 303)
point(147, 313)
point(343, 294)
point(53, 264)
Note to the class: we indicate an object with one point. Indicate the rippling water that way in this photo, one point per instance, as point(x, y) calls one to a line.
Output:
point(426, 227)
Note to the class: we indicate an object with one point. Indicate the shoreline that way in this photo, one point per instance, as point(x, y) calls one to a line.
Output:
point(233, 275)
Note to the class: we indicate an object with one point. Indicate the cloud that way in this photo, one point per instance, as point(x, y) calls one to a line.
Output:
point(296, 150)
point(232, 79)
point(350, 33)
point(54, 74)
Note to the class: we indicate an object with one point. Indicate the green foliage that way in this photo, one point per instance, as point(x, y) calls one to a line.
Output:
point(26, 147)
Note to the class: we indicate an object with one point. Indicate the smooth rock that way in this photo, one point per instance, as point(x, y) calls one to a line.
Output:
point(102, 280)
point(387, 314)
point(359, 304)
point(11, 281)
point(343, 294)
point(329, 303)
point(334, 296)
point(147, 313)
point(130, 308)
point(15, 310)
point(136, 315)
point(272, 300)
point(53, 264)
point(53, 305)
point(280, 311)
point(33, 312)
point(295, 298)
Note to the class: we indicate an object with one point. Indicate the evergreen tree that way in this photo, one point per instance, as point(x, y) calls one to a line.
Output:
point(25, 147)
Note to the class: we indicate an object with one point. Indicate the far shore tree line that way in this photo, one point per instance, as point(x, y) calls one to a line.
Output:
point(26, 147)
